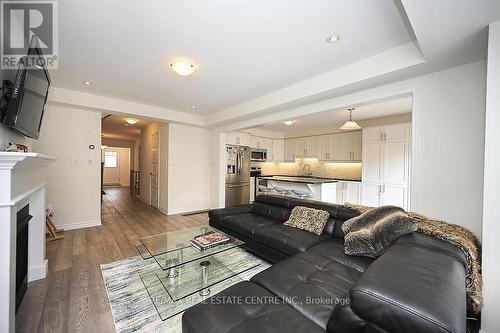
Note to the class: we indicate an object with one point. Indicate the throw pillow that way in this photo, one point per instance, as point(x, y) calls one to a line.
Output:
point(370, 233)
point(308, 219)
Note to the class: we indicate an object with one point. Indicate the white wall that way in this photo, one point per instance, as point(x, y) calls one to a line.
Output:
point(491, 210)
point(74, 179)
point(188, 169)
point(448, 144)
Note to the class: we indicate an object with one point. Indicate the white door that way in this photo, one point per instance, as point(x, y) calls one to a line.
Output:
point(370, 195)
point(372, 166)
point(111, 167)
point(395, 163)
point(154, 169)
point(394, 195)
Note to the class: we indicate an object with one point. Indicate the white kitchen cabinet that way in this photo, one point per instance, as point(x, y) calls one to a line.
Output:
point(290, 149)
point(350, 144)
point(397, 132)
point(353, 194)
point(238, 138)
point(386, 162)
point(323, 148)
point(348, 192)
point(278, 154)
point(255, 141)
point(311, 146)
point(372, 166)
point(300, 146)
point(370, 194)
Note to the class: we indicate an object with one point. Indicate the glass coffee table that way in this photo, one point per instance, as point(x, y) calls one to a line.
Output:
point(186, 275)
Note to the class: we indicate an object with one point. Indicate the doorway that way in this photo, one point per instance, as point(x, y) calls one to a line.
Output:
point(116, 166)
point(155, 142)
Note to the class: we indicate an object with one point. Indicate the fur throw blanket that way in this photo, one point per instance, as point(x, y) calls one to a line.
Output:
point(458, 236)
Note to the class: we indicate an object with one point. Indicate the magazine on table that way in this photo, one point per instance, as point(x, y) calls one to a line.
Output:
point(209, 240)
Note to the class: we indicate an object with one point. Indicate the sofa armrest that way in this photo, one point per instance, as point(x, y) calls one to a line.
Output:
point(412, 290)
point(216, 215)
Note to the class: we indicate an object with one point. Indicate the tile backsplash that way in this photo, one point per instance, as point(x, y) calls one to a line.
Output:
point(318, 169)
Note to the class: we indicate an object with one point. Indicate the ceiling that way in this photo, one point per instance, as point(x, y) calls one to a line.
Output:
point(338, 117)
point(113, 128)
point(242, 48)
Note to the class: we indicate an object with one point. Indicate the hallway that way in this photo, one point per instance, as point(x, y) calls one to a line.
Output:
point(72, 298)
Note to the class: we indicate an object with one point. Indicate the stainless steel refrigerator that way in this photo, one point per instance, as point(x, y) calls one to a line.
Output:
point(237, 175)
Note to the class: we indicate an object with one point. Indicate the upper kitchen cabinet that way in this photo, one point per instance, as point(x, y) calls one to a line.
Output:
point(261, 143)
point(278, 154)
point(238, 138)
point(350, 144)
point(290, 149)
point(388, 133)
point(328, 147)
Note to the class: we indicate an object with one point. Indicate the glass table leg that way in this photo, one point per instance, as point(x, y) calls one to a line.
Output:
point(172, 273)
point(204, 276)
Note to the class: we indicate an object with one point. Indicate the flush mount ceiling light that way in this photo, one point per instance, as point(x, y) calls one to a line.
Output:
point(332, 39)
point(182, 68)
point(87, 83)
point(350, 124)
point(289, 122)
point(131, 121)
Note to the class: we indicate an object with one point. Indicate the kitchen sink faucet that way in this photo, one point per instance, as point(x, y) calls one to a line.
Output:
point(309, 172)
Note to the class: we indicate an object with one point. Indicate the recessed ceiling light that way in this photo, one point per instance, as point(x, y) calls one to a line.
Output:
point(193, 107)
point(182, 68)
point(289, 122)
point(87, 83)
point(332, 39)
point(131, 121)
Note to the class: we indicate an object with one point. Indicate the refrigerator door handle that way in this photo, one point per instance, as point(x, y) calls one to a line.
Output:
point(241, 185)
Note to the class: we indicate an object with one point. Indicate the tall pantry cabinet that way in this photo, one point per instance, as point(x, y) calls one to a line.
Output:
point(386, 165)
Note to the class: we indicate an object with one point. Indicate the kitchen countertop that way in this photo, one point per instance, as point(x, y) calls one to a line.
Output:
point(306, 179)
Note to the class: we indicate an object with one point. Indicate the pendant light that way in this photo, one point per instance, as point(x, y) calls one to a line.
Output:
point(350, 124)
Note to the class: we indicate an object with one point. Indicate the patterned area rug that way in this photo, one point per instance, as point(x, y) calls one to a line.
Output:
point(131, 305)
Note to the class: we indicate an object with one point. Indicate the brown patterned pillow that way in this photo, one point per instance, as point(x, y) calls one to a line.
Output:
point(308, 219)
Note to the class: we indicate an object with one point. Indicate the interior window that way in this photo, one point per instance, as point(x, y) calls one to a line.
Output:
point(110, 159)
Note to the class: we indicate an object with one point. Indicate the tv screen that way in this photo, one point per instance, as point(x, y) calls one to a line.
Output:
point(27, 102)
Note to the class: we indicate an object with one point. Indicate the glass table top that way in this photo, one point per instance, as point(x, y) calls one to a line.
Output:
point(172, 249)
point(172, 296)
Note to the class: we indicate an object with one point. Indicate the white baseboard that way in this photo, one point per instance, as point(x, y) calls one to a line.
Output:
point(140, 198)
point(163, 211)
point(38, 272)
point(80, 225)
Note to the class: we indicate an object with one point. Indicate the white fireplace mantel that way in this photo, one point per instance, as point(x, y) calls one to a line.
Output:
point(23, 178)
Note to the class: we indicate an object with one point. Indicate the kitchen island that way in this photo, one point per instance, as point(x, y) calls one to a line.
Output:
point(306, 187)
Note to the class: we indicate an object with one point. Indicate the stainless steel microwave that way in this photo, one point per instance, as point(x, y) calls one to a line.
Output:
point(258, 155)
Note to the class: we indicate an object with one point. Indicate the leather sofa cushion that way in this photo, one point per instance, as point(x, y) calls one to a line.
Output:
point(286, 239)
point(334, 249)
point(215, 215)
point(310, 283)
point(247, 224)
point(253, 309)
point(410, 289)
point(277, 213)
point(275, 200)
point(419, 240)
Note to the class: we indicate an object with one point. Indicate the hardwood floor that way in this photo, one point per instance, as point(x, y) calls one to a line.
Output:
point(72, 298)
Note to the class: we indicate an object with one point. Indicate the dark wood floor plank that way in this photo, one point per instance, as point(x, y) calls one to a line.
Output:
point(73, 298)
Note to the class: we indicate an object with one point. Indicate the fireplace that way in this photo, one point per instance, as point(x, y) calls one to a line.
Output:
point(23, 217)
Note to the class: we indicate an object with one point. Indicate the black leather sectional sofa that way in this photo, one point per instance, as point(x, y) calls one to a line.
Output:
point(417, 285)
